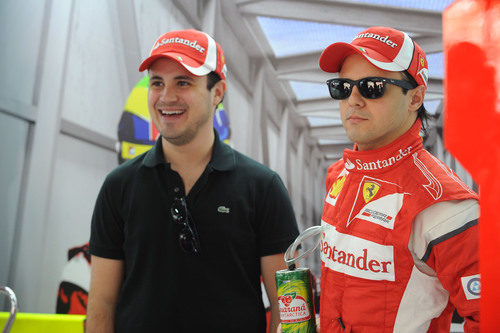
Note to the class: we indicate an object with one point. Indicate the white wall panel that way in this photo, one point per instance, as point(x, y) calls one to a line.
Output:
point(21, 30)
point(80, 169)
point(234, 52)
point(273, 143)
point(154, 18)
point(31, 223)
point(272, 106)
point(308, 194)
point(294, 191)
point(95, 88)
point(239, 110)
point(13, 143)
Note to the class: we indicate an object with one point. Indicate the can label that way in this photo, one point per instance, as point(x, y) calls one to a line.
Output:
point(293, 308)
point(295, 301)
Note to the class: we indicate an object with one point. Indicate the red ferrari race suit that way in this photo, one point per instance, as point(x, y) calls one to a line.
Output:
point(399, 248)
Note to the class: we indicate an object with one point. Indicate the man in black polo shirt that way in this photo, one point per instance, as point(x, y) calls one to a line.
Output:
point(181, 234)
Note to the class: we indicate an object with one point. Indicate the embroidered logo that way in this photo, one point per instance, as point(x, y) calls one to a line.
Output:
point(223, 209)
point(434, 186)
point(383, 39)
point(337, 185)
point(377, 201)
point(379, 164)
point(349, 165)
point(472, 286)
point(370, 189)
point(422, 61)
point(424, 73)
point(177, 40)
point(355, 256)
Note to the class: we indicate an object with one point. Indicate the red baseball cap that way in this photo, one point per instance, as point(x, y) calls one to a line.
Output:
point(195, 50)
point(386, 48)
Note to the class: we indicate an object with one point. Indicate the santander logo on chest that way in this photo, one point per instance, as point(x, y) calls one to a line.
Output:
point(355, 256)
point(378, 164)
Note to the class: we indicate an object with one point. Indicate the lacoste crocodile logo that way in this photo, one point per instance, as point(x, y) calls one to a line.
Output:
point(223, 209)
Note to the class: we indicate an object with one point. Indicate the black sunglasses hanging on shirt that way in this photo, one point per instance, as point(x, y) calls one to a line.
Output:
point(181, 216)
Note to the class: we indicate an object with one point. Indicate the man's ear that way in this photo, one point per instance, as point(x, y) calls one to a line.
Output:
point(219, 90)
point(417, 97)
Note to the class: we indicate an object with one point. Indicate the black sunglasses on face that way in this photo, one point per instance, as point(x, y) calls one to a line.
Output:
point(369, 87)
point(187, 237)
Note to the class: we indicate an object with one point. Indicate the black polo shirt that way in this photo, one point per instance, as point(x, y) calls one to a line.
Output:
point(241, 211)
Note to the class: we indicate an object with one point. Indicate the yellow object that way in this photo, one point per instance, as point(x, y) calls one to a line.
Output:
point(137, 102)
point(44, 323)
point(337, 186)
point(131, 150)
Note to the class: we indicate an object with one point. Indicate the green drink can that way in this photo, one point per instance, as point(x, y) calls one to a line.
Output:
point(295, 300)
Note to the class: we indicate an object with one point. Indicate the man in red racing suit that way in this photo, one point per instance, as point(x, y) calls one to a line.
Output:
point(399, 249)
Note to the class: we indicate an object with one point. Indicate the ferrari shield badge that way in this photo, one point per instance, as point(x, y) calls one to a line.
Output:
point(370, 189)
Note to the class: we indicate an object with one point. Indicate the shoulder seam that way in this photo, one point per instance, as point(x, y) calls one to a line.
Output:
point(446, 237)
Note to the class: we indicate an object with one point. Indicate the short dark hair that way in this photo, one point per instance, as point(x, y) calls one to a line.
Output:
point(212, 79)
point(422, 111)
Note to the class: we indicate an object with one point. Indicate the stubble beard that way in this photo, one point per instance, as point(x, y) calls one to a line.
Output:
point(188, 134)
point(355, 133)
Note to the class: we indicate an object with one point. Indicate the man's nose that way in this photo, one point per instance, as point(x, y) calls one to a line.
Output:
point(168, 94)
point(355, 99)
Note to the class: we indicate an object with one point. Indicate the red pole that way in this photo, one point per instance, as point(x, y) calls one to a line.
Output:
point(471, 38)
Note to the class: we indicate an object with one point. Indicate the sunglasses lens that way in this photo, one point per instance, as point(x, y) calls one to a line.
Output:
point(371, 88)
point(340, 89)
point(187, 242)
point(178, 212)
point(187, 238)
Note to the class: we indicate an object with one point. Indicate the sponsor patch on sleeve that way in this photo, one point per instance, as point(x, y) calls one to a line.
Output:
point(472, 286)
